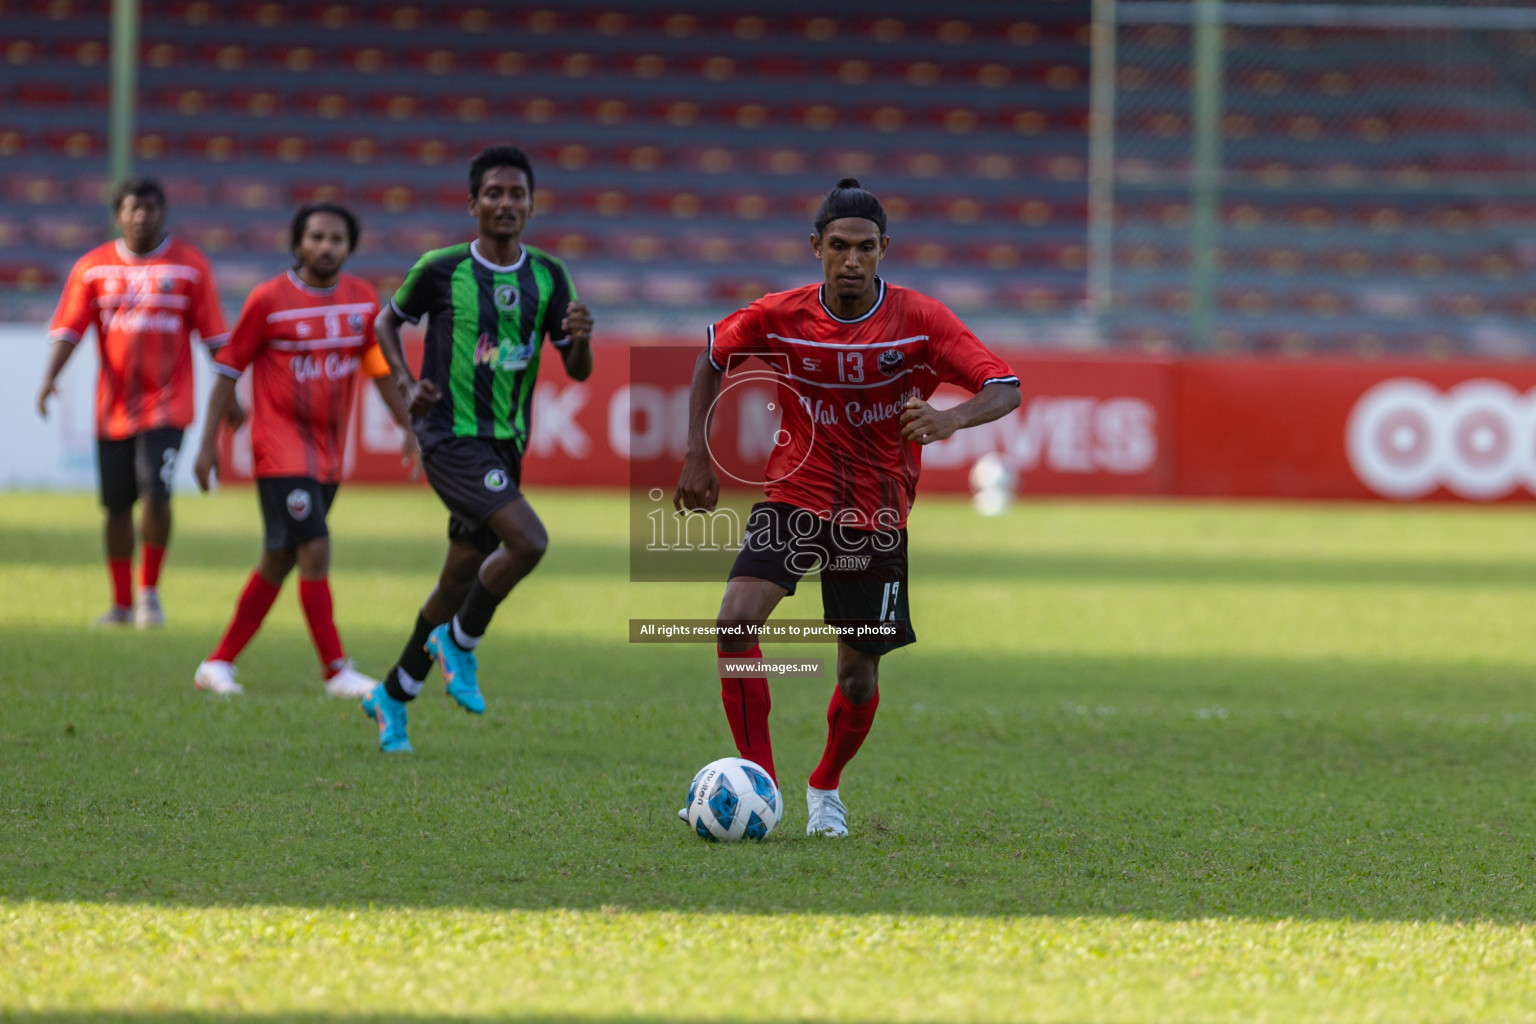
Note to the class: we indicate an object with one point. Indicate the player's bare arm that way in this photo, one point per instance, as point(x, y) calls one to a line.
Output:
point(219, 401)
point(924, 424)
point(577, 356)
point(58, 355)
point(410, 450)
point(698, 488)
point(419, 395)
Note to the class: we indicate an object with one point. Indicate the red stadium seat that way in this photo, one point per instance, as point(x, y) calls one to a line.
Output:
point(75, 144)
point(317, 191)
point(256, 102)
point(393, 198)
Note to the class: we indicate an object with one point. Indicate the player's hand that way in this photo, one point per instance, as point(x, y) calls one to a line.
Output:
point(205, 466)
point(698, 488)
point(410, 454)
point(49, 390)
point(420, 397)
point(234, 416)
point(577, 323)
point(924, 424)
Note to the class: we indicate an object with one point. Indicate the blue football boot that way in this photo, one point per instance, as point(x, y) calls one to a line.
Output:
point(459, 668)
point(390, 714)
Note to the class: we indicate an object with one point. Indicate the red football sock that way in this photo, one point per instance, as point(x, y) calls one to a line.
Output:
point(746, 707)
point(252, 607)
point(315, 597)
point(149, 568)
point(122, 581)
point(847, 725)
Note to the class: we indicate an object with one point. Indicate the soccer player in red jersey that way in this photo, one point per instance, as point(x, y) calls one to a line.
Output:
point(856, 359)
point(145, 294)
point(306, 333)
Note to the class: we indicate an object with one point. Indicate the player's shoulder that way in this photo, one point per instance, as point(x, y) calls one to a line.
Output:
point(448, 256)
point(791, 301)
point(183, 253)
point(351, 288)
point(104, 254)
point(548, 259)
point(910, 298)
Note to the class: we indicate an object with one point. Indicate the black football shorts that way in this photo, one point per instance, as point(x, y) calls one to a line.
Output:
point(474, 477)
point(293, 510)
point(143, 465)
point(863, 572)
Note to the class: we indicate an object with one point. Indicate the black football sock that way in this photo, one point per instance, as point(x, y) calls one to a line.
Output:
point(415, 659)
point(474, 615)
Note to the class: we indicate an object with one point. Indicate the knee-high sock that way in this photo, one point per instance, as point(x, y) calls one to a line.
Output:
point(847, 725)
point(121, 570)
point(315, 598)
point(746, 707)
point(252, 607)
point(149, 568)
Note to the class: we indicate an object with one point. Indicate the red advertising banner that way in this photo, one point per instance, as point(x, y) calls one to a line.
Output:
point(1107, 425)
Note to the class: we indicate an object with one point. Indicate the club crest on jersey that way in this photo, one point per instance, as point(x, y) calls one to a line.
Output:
point(165, 284)
point(299, 504)
point(890, 362)
point(506, 296)
point(496, 480)
point(355, 323)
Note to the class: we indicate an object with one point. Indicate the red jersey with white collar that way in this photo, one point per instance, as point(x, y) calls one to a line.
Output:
point(304, 346)
point(144, 309)
point(842, 385)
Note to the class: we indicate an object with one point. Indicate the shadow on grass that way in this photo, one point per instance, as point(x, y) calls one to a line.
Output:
point(423, 553)
point(1165, 788)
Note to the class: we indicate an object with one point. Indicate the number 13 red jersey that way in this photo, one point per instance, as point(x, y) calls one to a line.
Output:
point(842, 385)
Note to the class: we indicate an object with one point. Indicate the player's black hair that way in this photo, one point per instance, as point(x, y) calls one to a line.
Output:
point(849, 199)
point(301, 221)
point(139, 188)
point(497, 156)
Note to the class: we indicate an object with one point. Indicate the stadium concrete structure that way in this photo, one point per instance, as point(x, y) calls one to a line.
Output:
point(675, 141)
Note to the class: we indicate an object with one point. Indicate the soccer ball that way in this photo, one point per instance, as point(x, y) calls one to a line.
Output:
point(732, 799)
point(993, 483)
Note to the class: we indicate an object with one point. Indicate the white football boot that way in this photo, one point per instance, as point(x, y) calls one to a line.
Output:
point(147, 613)
point(217, 677)
point(349, 683)
point(825, 813)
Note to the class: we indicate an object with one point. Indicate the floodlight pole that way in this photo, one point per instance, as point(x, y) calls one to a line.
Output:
point(125, 87)
point(1205, 176)
point(1101, 170)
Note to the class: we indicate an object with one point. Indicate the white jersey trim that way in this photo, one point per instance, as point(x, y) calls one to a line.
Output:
point(316, 345)
point(843, 344)
point(522, 257)
point(227, 371)
point(130, 256)
point(402, 314)
point(64, 334)
point(152, 299)
point(879, 301)
point(299, 314)
point(309, 289)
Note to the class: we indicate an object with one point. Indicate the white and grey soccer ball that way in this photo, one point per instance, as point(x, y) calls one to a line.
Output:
point(733, 799)
point(993, 484)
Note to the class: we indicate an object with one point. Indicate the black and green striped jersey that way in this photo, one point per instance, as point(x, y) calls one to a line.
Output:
point(485, 328)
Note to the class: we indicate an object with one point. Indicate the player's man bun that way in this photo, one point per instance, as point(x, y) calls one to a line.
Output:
point(849, 199)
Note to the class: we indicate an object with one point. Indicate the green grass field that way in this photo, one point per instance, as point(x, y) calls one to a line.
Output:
point(1149, 761)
